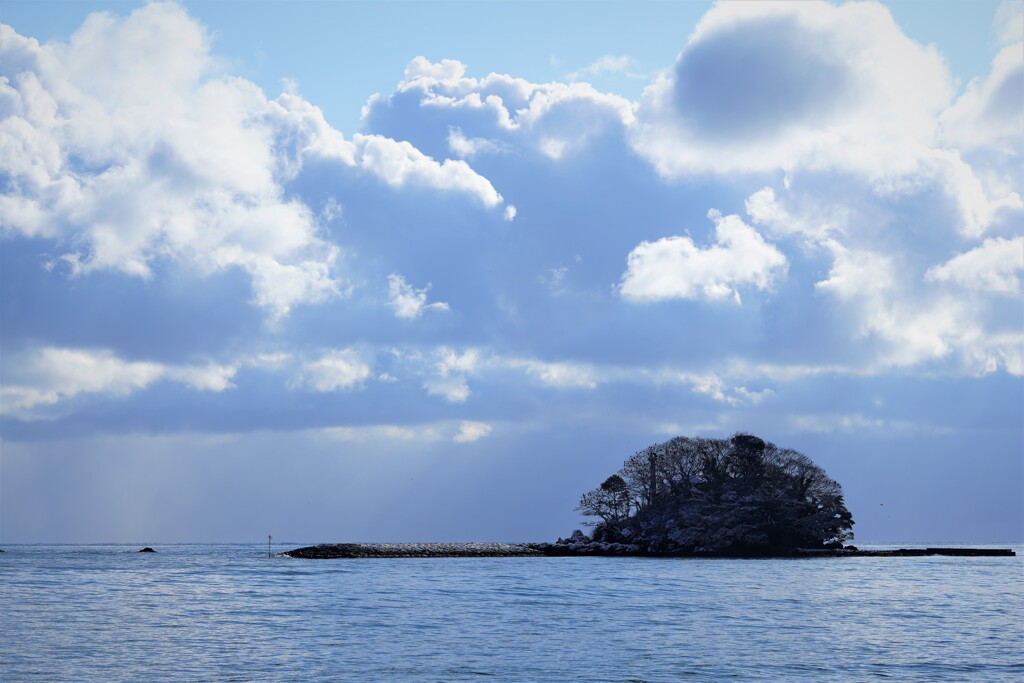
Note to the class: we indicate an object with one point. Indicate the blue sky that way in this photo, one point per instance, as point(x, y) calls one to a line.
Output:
point(414, 271)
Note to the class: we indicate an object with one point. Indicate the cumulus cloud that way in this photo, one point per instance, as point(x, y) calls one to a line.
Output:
point(472, 431)
point(676, 268)
point(552, 118)
point(47, 376)
point(781, 86)
point(126, 143)
point(336, 370)
point(407, 301)
point(994, 267)
point(762, 86)
point(899, 310)
point(913, 326)
point(900, 201)
point(131, 146)
point(399, 163)
point(867, 280)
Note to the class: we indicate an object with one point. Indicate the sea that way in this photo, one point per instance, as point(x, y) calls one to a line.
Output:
point(231, 613)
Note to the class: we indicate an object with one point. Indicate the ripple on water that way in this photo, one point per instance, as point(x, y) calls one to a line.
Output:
point(99, 613)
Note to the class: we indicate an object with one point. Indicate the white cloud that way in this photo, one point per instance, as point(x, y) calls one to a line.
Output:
point(450, 372)
point(510, 213)
point(562, 375)
point(446, 375)
point(785, 372)
point(994, 267)
point(675, 268)
point(331, 210)
point(143, 152)
point(450, 361)
point(384, 432)
point(857, 273)
point(812, 222)
point(764, 86)
point(399, 164)
point(608, 64)
point(828, 423)
point(1009, 21)
point(988, 113)
point(270, 360)
point(452, 389)
point(709, 384)
point(554, 118)
point(914, 327)
point(460, 432)
point(896, 311)
point(472, 431)
point(204, 377)
point(335, 371)
point(47, 376)
point(466, 148)
point(409, 302)
point(396, 163)
point(131, 145)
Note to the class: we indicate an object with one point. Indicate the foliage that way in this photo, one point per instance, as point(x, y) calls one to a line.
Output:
point(719, 495)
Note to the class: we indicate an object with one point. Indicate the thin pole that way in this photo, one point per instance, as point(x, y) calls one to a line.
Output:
point(268, 545)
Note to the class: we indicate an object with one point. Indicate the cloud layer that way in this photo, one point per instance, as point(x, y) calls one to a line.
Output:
point(802, 224)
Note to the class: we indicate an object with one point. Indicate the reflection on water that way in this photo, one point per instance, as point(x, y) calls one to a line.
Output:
point(105, 613)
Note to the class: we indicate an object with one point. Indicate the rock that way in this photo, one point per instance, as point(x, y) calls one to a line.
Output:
point(147, 549)
point(578, 537)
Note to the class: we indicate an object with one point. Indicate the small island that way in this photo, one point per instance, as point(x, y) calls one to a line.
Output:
point(737, 496)
point(690, 497)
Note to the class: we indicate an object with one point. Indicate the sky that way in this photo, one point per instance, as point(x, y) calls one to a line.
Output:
point(410, 271)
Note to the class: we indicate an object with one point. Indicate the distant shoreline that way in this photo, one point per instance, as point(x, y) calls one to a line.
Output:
point(327, 551)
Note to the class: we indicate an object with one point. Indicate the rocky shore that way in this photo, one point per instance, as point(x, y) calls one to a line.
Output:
point(328, 551)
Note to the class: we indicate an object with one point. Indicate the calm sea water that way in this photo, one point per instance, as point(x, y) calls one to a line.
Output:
point(228, 613)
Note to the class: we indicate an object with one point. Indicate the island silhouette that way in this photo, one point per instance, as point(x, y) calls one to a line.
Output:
point(689, 497)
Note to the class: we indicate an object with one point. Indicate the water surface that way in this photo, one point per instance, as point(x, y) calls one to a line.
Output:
point(229, 613)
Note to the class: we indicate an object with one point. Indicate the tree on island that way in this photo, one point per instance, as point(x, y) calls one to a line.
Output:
point(737, 495)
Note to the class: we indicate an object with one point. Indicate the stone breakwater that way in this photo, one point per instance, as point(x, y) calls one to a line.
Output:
point(327, 551)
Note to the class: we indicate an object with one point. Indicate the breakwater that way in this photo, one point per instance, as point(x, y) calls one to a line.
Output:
point(326, 551)
point(367, 550)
